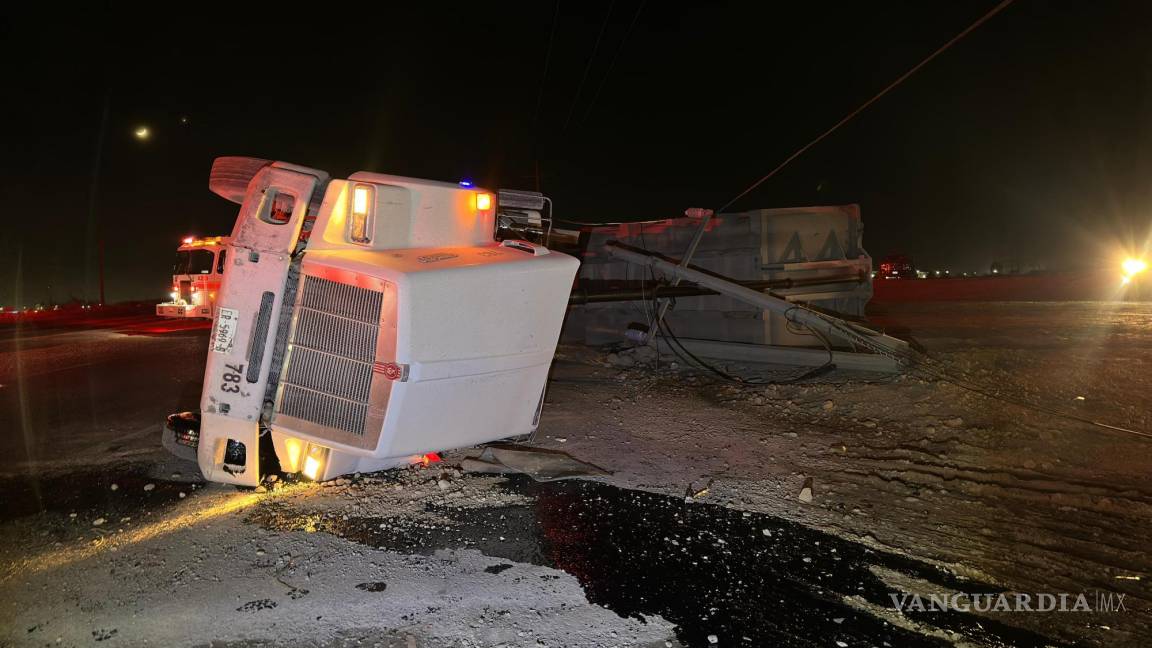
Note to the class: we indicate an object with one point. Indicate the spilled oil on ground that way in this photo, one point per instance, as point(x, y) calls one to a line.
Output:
point(721, 575)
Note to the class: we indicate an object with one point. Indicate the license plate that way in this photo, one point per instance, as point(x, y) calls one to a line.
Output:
point(227, 320)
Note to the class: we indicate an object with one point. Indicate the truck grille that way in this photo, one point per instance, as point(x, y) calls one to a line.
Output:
point(328, 376)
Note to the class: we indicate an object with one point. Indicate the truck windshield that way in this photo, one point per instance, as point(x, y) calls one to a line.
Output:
point(193, 262)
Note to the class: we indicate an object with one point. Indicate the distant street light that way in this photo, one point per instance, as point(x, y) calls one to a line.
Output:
point(142, 133)
point(1134, 266)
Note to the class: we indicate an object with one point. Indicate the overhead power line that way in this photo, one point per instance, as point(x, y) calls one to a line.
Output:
point(612, 63)
point(588, 65)
point(995, 10)
point(547, 62)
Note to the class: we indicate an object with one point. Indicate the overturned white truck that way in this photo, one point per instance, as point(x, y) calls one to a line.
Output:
point(362, 323)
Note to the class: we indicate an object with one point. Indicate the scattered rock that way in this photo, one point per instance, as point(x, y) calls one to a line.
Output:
point(114, 487)
point(377, 586)
point(645, 354)
point(98, 521)
point(444, 484)
point(829, 406)
point(620, 360)
point(148, 487)
point(954, 422)
point(496, 569)
point(713, 639)
point(806, 492)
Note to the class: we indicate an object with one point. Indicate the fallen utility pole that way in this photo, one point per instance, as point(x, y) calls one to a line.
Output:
point(796, 313)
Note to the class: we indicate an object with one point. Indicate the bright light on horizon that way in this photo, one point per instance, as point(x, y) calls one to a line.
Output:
point(1134, 266)
point(142, 133)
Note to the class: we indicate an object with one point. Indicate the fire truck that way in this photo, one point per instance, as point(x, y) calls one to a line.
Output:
point(196, 277)
point(364, 322)
point(897, 266)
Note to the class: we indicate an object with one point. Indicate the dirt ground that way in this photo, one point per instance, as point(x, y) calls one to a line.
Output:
point(988, 490)
point(917, 486)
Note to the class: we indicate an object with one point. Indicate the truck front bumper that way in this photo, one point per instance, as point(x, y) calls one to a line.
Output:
point(183, 310)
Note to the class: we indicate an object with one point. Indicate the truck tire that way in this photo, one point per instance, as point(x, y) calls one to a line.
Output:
point(231, 174)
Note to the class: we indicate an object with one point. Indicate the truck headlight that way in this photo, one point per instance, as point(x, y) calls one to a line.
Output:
point(314, 459)
point(360, 214)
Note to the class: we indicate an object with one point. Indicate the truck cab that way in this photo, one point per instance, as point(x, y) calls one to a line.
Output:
point(364, 322)
point(196, 278)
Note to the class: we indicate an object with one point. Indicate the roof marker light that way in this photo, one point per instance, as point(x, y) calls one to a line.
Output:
point(466, 183)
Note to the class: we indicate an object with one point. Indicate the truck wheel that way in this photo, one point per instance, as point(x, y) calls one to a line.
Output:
point(231, 174)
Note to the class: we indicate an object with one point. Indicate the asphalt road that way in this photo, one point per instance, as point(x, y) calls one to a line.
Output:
point(72, 397)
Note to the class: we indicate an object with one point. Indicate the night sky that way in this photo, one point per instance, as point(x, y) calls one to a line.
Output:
point(1028, 140)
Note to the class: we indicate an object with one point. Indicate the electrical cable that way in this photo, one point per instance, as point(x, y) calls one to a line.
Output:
point(941, 374)
point(547, 63)
point(995, 10)
point(612, 63)
point(670, 335)
point(588, 65)
point(933, 370)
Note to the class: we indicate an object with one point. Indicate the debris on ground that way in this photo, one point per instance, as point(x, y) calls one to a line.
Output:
point(806, 491)
point(541, 464)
